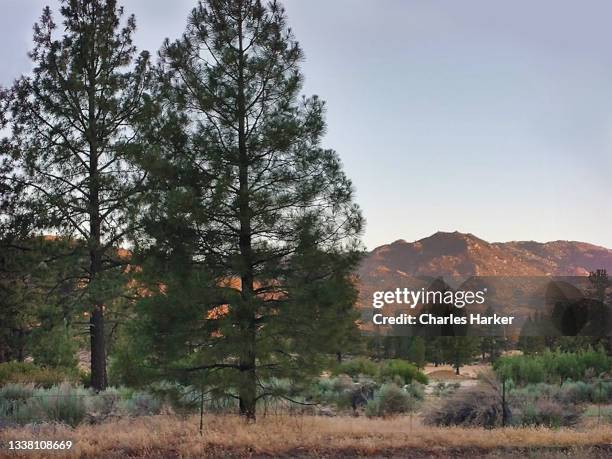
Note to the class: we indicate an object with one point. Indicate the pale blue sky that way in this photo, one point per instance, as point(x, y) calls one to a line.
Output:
point(493, 118)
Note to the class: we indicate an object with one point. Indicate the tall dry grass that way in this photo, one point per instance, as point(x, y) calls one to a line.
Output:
point(225, 436)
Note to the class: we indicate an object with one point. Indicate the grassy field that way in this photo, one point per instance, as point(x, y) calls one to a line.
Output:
point(289, 436)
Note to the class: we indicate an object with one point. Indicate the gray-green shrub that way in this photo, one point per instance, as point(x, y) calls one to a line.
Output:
point(141, 404)
point(546, 412)
point(391, 400)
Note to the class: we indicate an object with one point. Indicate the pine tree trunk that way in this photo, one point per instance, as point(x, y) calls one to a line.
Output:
point(96, 328)
point(20, 346)
point(248, 381)
point(96, 321)
point(98, 353)
point(248, 377)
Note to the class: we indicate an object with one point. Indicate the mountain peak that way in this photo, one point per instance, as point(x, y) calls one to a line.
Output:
point(448, 235)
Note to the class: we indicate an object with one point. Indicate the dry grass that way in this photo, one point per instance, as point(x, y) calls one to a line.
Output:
point(168, 436)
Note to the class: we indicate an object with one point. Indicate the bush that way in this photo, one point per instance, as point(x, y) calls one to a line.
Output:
point(103, 404)
point(569, 392)
point(356, 367)
point(390, 400)
point(553, 367)
point(64, 404)
point(415, 390)
point(12, 396)
point(406, 371)
point(333, 391)
point(397, 371)
point(71, 405)
point(601, 392)
point(442, 389)
point(24, 405)
point(474, 407)
point(16, 392)
point(575, 392)
point(141, 404)
point(28, 373)
point(344, 392)
point(532, 392)
point(604, 413)
point(546, 413)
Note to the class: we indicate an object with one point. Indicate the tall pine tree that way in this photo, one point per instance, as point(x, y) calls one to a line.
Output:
point(254, 217)
point(71, 134)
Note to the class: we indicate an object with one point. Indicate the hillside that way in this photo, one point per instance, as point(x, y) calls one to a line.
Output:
point(459, 256)
point(464, 255)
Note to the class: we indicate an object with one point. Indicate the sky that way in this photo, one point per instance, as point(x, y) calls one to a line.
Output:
point(493, 118)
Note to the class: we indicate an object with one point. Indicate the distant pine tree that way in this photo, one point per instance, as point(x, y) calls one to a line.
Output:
point(416, 351)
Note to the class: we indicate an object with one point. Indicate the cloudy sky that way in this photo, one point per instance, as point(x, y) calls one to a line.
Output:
point(493, 118)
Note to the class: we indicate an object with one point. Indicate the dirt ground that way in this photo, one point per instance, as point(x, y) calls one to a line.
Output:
point(447, 372)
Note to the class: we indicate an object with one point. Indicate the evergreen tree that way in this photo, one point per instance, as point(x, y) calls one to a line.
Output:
point(434, 350)
point(460, 350)
point(416, 351)
point(492, 347)
point(531, 340)
point(252, 216)
point(492, 343)
point(71, 133)
point(36, 310)
point(600, 283)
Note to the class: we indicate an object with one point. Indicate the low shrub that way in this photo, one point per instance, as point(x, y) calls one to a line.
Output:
point(546, 412)
point(356, 367)
point(473, 407)
point(64, 404)
point(398, 371)
point(442, 389)
point(28, 373)
point(575, 392)
point(103, 404)
point(16, 392)
point(603, 412)
point(601, 392)
point(406, 371)
point(415, 390)
point(390, 400)
point(343, 391)
point(70, 405)
point(553, 367)
point(141, 404)
point(570, 392)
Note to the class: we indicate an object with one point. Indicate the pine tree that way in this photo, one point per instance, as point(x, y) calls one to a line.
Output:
point(71, 133)
point(600, 283)
point(251, 215)
point(492, 343)
point(35, 301)
point(416, 352)
point(460, 350)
